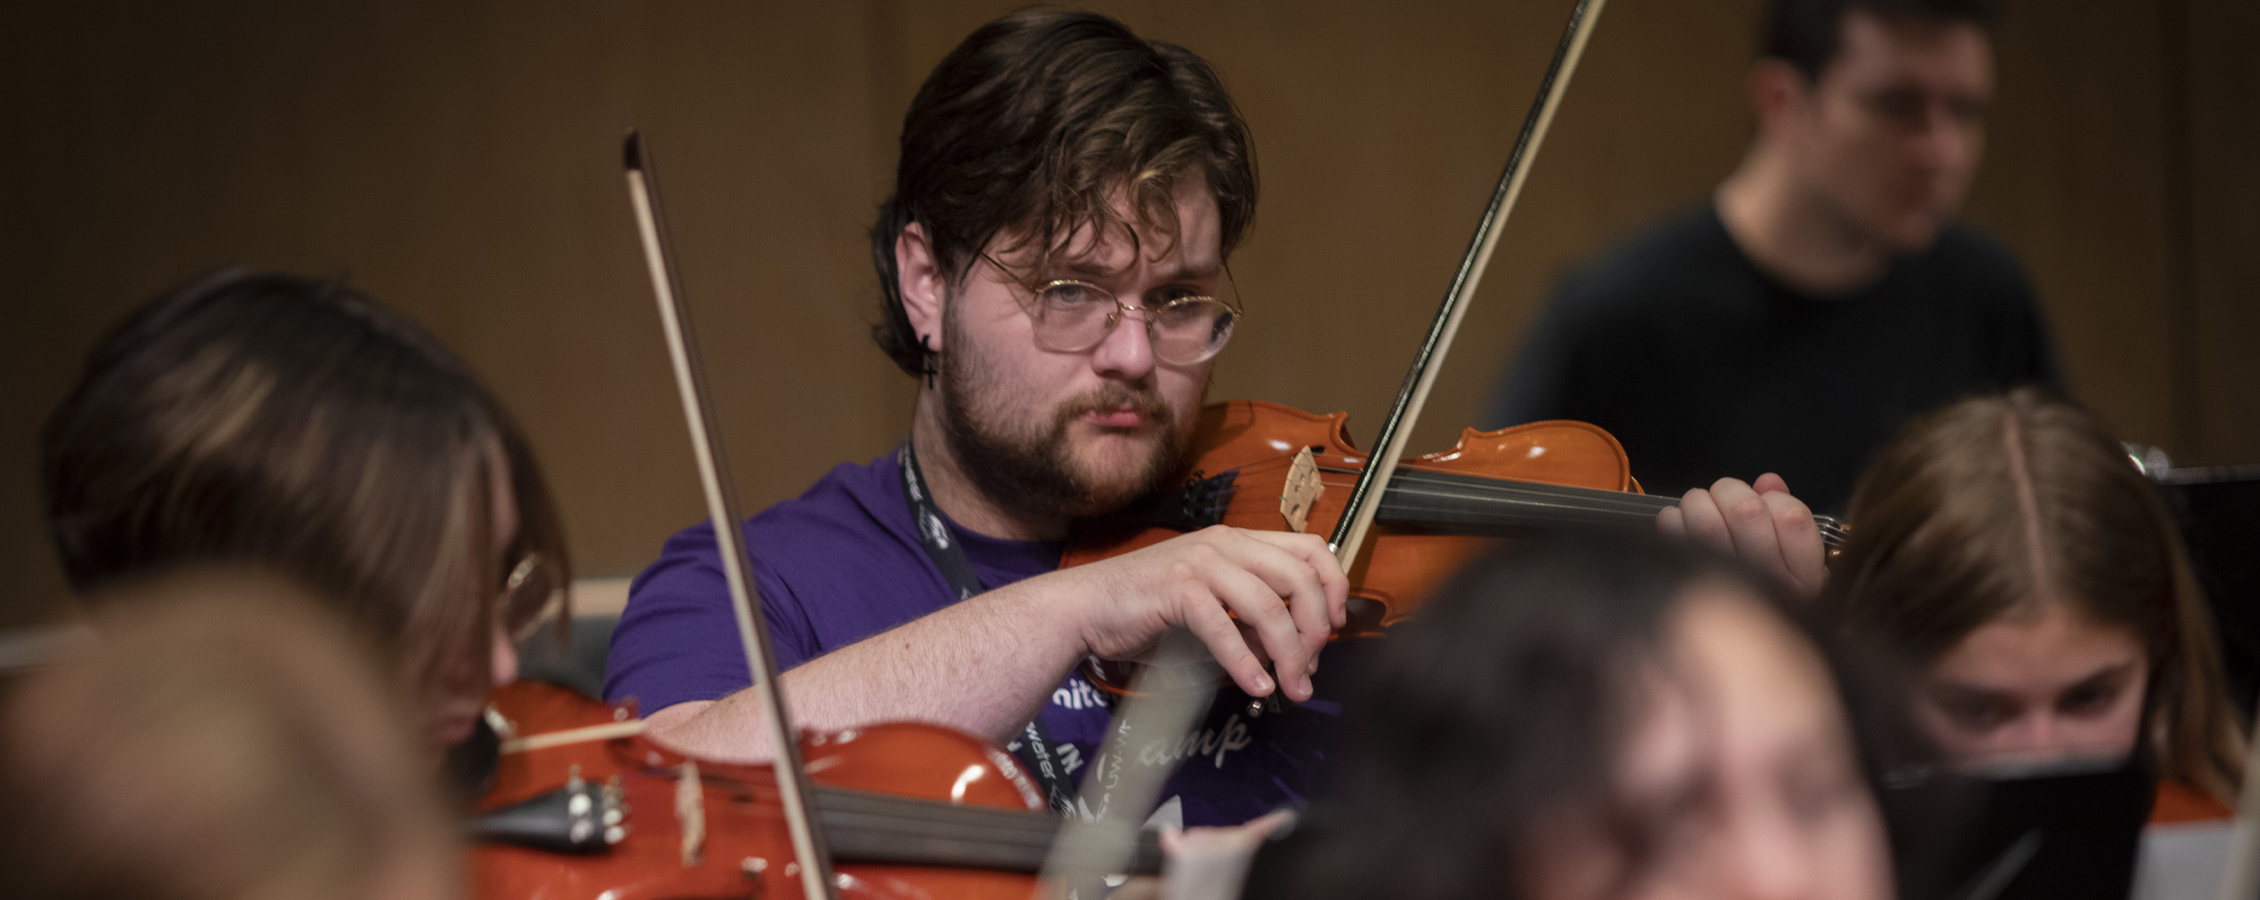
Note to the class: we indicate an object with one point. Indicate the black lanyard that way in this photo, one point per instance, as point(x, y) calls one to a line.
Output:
point(949, 555)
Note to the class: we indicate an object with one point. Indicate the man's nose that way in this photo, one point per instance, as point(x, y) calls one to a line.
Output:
point(1946, 142)
point(2036, 734)
point(1128, 351)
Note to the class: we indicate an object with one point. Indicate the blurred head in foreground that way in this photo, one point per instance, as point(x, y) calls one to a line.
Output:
point(225, 738)
point(1587, 721)
point(2012, 557)
point(294, 424)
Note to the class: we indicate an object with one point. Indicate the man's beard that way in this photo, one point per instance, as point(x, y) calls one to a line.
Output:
point(1028, 465)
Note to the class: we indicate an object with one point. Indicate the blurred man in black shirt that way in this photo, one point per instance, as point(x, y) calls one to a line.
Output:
point(1828, 273)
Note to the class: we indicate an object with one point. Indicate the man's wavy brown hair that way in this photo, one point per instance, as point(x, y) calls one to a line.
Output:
point(1031, 126)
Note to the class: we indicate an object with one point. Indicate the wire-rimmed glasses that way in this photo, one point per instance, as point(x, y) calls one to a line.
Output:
point(1073, 316)
point(531, 596)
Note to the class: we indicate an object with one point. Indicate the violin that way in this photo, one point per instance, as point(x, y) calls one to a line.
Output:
point(1436, 511)
point(583, 806)
point(1269, 458)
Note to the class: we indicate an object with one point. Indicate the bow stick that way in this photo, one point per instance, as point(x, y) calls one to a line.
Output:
point(721, 506)
point(1396, 431)
point(1089, 850)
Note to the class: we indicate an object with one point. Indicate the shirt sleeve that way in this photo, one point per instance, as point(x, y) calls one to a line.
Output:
point(678, 638)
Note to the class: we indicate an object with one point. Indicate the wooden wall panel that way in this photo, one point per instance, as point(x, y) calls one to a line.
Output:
point(462, 162)
point(2224, 229)
point(459, 161)
point(2074, 182)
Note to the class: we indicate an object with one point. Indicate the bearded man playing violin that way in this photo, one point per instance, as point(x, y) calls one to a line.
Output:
point(1052, 261)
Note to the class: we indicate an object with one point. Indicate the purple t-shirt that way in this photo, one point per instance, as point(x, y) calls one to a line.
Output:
point(841, 563)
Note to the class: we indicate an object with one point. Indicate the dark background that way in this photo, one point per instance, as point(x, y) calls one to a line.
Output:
point(460, 160)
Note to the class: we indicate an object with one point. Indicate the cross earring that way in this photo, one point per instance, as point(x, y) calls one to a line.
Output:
point(926, 342)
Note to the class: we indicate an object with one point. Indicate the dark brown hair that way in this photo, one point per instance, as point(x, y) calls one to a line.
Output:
point(1809, 33)
point(1998, 503)
point(1031, 125)
point(263, 418)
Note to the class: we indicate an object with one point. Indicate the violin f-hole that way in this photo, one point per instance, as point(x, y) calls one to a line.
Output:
point(1363, 615)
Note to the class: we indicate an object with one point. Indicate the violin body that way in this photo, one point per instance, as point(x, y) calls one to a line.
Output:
point(746, 851)
point(1255, 442)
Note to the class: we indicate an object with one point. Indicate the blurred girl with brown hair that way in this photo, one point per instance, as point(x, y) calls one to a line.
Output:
point(1597, 719)
point(2033, 582)
point(263, 419)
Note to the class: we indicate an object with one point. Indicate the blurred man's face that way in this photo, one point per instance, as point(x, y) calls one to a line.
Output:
point(1891, 133)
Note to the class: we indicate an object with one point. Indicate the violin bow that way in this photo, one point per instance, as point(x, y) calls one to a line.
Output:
point(1396, 431)
point(1117, 794)
point(1087, 850)
point(721, 506)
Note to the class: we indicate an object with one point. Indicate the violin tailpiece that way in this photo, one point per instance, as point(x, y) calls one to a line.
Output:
point(579, 818)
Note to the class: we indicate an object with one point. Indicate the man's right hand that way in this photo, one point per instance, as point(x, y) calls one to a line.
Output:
point(1286, 589)
point(986, 665)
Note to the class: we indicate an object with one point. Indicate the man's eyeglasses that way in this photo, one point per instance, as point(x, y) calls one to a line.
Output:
point(531, 595)
point(1074, 316)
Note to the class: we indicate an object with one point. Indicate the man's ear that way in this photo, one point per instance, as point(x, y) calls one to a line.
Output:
point(923, 284)
point(1778, 91)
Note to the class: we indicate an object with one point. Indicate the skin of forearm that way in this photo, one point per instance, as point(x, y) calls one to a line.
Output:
point(982, 666)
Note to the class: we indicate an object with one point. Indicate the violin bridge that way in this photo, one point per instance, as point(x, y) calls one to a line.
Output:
point(690, 813)
point(1302, 490)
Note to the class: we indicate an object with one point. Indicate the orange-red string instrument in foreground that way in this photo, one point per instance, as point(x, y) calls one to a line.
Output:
point(1266, 466)
point(584, 807)
point(907, 810)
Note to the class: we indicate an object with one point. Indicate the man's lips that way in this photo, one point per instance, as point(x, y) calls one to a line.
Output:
point(1118, 418)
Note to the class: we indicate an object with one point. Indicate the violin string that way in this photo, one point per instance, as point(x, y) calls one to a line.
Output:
point(764, 795)
point(875, 827)
point(884, 819)
point(1497, 496)
point(1553, 499)
point(1536, 495)
point(1414, 482)
point(1463, 495)
point(893, 828)
point(1566, 496)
